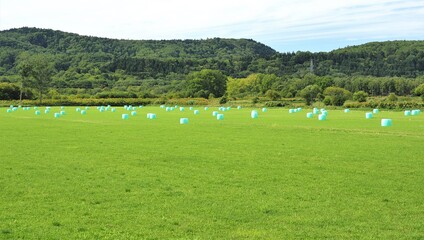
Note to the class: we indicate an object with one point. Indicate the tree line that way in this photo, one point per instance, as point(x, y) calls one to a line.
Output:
point(52, 63)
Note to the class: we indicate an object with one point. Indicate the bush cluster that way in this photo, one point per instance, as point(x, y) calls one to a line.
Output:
point(109, 101)
point(384, 104)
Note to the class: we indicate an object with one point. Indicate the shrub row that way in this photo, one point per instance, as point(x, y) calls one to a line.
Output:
point(202, 102)
point(108, 101)
point(384, 105)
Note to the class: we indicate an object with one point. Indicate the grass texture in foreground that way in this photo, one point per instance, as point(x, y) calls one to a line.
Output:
point(276, 177)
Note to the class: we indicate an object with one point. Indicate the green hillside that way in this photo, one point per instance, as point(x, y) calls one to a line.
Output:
point(391, 58)
point(235, 57)
point(71, 49)
point(152, 68)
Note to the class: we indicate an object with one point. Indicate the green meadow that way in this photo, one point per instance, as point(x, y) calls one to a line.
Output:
point(280, 176)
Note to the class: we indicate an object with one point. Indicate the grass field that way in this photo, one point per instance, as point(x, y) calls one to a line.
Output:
point(276, 177)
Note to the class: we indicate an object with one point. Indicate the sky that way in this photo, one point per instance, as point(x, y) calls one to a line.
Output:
point(284, 25)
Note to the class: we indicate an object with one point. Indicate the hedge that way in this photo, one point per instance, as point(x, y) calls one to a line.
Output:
point(108, 101)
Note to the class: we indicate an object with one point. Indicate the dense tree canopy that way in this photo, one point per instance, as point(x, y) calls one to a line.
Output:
point(360, 96)
point(336, 95)
point(419, 91)
point(310, 93)
point(90, 66)
point(206, 82)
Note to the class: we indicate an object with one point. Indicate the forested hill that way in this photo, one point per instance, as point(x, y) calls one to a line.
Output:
point(100, 51)
point(74, 54)
point(388, 48)
point(62, 42)
point(391, 58)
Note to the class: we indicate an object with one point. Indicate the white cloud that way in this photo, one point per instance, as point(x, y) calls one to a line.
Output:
point(270, 21)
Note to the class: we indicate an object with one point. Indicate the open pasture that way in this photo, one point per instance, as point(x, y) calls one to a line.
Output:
point(281, 175)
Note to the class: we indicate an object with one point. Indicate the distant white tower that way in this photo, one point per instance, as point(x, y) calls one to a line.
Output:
point(311, 67)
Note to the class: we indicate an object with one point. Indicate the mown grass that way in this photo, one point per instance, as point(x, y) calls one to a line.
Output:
point(276, 177)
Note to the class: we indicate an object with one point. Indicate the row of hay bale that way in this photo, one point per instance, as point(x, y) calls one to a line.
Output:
point(126, 116)
point(130, 107)
point(295, 110)
point(385, 122)
point(220, 116)
point(83, 111)
point(37, 111)
point(322, 113)
point(414, 112)
point(369, 115)
point(112, 109)
point(167, 109)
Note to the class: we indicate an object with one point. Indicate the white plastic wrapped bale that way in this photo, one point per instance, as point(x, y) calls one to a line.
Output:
point(183, 120)
point(368, 115)
point(386, 122)
point(322, 117)
point(254, 114)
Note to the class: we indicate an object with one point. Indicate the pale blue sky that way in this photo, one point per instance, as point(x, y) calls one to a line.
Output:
point(285, 25)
